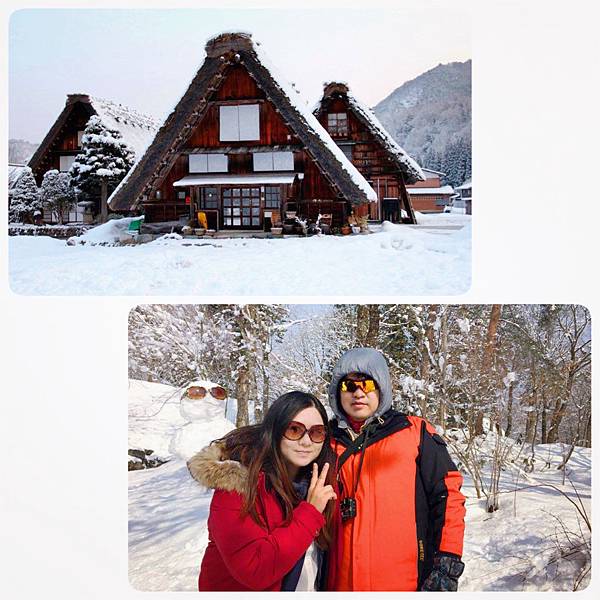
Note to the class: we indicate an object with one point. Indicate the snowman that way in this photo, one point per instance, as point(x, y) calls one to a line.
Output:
point(208, 415)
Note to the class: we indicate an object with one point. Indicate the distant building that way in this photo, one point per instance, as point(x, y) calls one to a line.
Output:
point(430, 196)
point(465, 191)
point(62, 143)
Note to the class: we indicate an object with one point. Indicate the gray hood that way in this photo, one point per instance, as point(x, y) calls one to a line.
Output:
point(361, 360)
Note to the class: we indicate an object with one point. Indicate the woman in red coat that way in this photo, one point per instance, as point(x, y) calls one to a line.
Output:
point(272, 516)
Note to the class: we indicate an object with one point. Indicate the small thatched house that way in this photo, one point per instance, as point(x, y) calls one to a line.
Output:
point(372, 150)
point(62, 143)
point(242, 147)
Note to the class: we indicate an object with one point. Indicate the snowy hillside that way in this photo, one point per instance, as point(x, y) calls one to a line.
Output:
point(430, 111)
point(514, 548)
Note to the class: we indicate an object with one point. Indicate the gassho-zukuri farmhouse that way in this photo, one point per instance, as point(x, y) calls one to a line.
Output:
point(242, 147)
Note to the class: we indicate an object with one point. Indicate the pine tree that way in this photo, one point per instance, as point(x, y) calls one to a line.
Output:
point(57, 194)
point(102, 163)
point(24, 200)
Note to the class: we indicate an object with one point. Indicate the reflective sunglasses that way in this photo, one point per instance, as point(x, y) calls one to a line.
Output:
point(197, 392)
point(366, 385)
point(295, 431)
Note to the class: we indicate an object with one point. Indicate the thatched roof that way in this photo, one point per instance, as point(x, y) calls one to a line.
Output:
point(15, 172)
point(137, 129)
point(408, 166)
point(223, 51)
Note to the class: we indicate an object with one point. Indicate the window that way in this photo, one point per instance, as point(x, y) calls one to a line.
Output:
point(273, 161)
point(347, 150)
point(337, 124)
point(79, 136)
point(241, 207)
point(209, 198)
point(66, 162)
point(441, 202)
point(208, 163)
point(272, 197)
point(237, 123)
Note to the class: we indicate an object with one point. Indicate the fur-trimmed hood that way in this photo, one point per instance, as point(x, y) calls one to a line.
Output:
point(211, 468)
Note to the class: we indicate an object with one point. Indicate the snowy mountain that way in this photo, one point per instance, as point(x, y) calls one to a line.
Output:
point(428, 113)
point(20, 151)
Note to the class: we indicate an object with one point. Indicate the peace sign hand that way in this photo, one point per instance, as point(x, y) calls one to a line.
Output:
point(320, 494)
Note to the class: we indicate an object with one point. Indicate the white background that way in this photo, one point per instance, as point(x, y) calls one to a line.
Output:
point(63, 424)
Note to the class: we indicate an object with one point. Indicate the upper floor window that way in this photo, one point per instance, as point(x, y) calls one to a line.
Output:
point(337, 124)
point(79, 136)
point(208, 163)
point(66, 162)
point(239, 123)
point(273, 161)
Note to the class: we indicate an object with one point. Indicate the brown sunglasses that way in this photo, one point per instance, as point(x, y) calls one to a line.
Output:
point(197, 392)
point(296, 431)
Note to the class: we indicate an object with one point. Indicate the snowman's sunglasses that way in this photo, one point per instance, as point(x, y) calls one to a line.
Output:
point(197, 392)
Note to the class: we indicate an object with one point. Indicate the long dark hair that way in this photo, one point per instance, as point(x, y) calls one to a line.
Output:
point(258, 448)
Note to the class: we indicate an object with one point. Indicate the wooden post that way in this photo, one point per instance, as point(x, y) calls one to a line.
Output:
point(103, 199)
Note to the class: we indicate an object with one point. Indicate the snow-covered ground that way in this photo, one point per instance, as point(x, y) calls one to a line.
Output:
point(396, 260)
point(506, 550)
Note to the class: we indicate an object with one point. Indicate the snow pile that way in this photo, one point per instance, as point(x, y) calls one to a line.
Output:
point(400, 260)
point(106, 234)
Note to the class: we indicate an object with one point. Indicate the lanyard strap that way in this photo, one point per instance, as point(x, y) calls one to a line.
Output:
point(359, 444)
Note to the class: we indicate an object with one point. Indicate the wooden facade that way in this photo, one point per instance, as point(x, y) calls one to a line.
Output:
point(248, 200)
point(371, 150)
point(278, 165)
point(64, 140)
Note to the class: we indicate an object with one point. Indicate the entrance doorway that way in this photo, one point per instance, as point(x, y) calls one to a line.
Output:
point(391, 210)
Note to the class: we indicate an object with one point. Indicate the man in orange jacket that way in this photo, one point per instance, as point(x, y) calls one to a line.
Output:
point(402, 509)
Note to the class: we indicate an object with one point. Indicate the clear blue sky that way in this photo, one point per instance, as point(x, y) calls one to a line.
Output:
point(146, 58)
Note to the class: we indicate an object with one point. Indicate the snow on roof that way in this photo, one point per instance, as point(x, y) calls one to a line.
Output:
point(388, 140)
point(426, 170)
point(467, 185)
point(301, 105)
point(15, 172)
point(445, 189)
point(137, 129)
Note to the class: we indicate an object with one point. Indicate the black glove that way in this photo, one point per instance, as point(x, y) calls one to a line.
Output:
point(444, 575)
